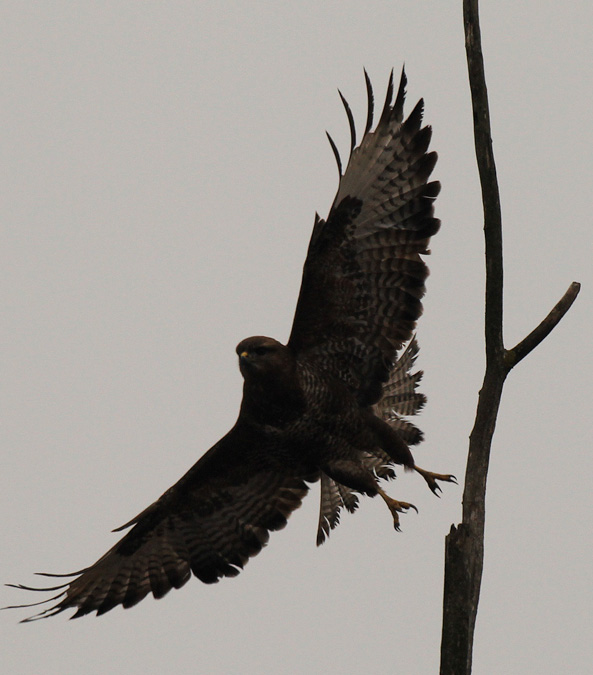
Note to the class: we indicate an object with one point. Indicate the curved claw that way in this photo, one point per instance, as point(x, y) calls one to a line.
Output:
point(396, 507)
point(432, 478)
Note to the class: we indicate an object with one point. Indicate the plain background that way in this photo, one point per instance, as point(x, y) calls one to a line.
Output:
point(162, 163)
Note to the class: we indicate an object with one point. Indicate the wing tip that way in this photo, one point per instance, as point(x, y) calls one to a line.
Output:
point(370, 102)
point(336, 152)
point(351, 123)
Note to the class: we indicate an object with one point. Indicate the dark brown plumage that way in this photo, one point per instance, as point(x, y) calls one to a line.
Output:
point(327, 405)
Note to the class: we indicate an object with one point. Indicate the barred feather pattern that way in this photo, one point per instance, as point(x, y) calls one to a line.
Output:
point(400, 399)
point(199, 526)
point(364, 276)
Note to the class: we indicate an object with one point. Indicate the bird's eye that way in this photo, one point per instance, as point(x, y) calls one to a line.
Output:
point(260, 351)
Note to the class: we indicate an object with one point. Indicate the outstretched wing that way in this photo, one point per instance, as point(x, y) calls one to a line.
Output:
point(364, 277)
point(209, 523)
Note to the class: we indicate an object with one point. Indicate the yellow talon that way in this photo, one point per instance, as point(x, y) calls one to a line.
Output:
point(396, 507)
point(432, 478)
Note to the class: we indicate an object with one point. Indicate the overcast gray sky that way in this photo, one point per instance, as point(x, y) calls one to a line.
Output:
point(162, 163)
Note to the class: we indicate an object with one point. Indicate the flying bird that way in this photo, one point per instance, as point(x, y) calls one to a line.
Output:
point(328, 406)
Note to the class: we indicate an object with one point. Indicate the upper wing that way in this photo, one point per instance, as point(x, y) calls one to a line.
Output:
point(209, 523)
point(363, 277)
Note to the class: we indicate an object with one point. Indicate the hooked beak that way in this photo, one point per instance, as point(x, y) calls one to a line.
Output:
point(244, 359)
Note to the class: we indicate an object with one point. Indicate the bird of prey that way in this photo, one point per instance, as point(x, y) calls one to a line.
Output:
point(330, 405)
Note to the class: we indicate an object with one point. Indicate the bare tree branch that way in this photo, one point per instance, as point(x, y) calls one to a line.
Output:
point(464, 546)
point(529, 343)
point(488, 180)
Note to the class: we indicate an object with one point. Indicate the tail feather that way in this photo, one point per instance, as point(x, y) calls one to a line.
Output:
point(400, 399)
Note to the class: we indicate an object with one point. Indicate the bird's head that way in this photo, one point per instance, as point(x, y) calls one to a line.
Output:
point(261, 356)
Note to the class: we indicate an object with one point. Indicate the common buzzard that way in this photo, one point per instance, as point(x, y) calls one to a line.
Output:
point(328, 405)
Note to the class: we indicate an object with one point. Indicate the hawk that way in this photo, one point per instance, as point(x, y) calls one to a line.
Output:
point(328, 406)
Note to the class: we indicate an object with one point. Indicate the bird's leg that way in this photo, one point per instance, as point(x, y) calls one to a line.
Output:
point(432, 478)
point(395, 507)
point(357, 478)
point(351, 474)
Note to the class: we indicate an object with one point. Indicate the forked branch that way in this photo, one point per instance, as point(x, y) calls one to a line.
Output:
point(529, 343)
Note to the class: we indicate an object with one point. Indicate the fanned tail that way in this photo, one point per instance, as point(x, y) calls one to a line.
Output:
point(400, 399)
